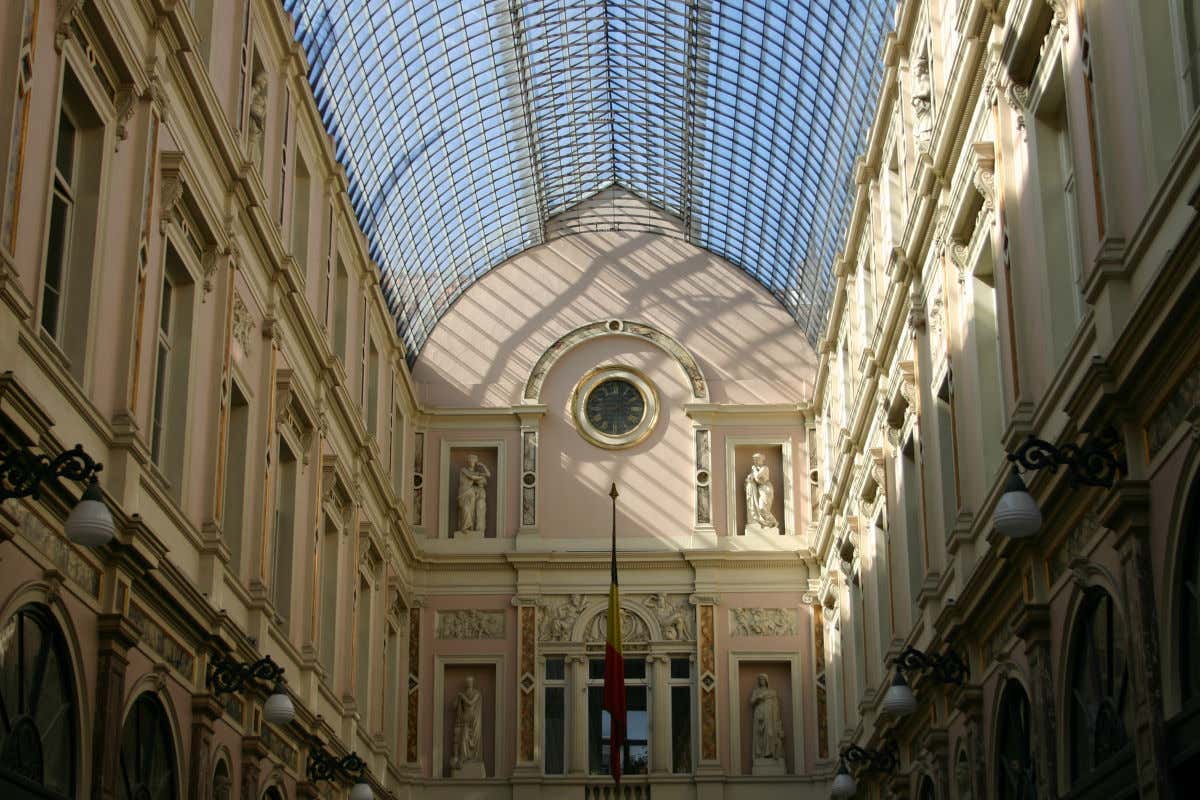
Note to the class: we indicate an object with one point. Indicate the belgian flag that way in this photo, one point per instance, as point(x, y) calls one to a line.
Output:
point(614, 662)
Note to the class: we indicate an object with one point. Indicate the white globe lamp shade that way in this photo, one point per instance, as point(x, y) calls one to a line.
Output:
point(899, 700)
point(362, 791)
point(279, 709)
point(844, 784)
point(90, 523)
point(1017, 515)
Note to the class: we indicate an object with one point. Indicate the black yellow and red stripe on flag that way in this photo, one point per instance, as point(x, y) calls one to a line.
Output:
point(614, 662)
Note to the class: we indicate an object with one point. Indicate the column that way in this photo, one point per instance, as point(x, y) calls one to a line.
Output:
point(660, 714)
point(577, 753)
point(117, 635)
point(1126, 512)
point(205, 711)
point(706, 657)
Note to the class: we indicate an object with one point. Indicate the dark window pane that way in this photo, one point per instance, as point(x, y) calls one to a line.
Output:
point(555, 730)
point(56, 258)
point(681, 729)
point(555, 669)
point(596, 669)
point(681, 668)
point(64, 158)
point(635, 669)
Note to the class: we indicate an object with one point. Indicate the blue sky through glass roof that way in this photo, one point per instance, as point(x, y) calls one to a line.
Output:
point(464, 126)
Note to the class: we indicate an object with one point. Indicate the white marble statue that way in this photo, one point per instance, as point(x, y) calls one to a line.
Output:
point(760, 494)
point(472, 497)
point(258, 118)
point(466, 760)
point(766, 729)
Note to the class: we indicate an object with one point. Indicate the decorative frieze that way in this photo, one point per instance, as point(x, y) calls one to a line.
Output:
point(471, 624)
point(1182, 405)
point(54, 547)
point(175, 654)
point(558, 617)
point(633, 628)
point(763, 622)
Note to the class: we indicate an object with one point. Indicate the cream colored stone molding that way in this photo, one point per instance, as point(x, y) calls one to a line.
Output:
point(736, 701)
point(733, 483)
point(471, 624)
point(763, 622)
point(500, 693)
point(498, 477)
point(576, 618)
point(615, 327)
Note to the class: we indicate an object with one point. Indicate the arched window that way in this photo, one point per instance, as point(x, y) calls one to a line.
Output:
point(273, 794)
point(1014, 760)
point(147, 755)
point(927, 791)
point(37, 708)
point(1189, 599)
point(222, 783)
point(1100, 711)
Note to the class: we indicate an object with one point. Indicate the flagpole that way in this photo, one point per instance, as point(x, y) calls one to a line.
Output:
point(614, 662)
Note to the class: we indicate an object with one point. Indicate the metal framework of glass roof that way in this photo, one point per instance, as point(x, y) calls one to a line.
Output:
point(465, 125)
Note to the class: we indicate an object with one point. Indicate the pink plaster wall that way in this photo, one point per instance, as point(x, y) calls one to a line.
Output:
point(749, 348)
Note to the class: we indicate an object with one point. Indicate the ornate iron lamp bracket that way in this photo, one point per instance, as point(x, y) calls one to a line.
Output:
point(22, 472)
point(886, 759)
point(324, 767)
point(1097, 462)
point(946, 668)
point(227, 676)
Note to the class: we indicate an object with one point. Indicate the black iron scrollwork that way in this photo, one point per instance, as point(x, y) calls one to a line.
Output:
point(1096, 462)
point(324, 767)
point(22, 472)
point(885, 759)
point(946, 668)
point(226, 676)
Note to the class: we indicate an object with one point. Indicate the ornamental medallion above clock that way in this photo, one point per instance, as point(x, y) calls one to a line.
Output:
point(615, 407)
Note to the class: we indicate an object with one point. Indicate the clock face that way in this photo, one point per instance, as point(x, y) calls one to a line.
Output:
point(615, 407)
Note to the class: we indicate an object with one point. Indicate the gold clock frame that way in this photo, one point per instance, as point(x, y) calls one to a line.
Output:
point(588, 383)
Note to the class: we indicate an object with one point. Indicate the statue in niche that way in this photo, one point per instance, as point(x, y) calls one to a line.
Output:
point(258, 118)
point(922, 102)
point(466, 759)
point(760, 494)
point(766, 729)
point(472, 498)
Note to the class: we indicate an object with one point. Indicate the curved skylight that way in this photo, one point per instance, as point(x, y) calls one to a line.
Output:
point(464, 126)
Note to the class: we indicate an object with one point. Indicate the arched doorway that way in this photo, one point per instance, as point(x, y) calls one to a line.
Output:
point(1184, 727)
point(1015, 774)
point(38, 709)
point(148, 767)
point(1100, 701)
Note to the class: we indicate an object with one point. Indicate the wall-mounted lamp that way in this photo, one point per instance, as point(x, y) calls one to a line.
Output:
point(1094, 463)
point(885, 759)
point(324, 767)
point(949, 667)
point(23, 472)
point(226, 676)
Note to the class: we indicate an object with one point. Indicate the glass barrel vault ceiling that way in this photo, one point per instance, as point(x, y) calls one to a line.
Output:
point(464, 126)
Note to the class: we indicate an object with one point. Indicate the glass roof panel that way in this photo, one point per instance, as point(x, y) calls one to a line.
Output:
point(464, 125)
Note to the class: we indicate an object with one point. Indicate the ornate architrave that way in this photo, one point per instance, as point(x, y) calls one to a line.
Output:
point(615, 327)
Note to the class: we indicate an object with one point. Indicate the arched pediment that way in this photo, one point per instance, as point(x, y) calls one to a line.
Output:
point(615, 327)
point(636, 628)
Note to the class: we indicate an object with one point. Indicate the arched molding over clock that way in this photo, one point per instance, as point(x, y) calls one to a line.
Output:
point(615, 327)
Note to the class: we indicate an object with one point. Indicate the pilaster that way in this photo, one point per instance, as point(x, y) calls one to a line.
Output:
point(117, 634)
point(1032, 625)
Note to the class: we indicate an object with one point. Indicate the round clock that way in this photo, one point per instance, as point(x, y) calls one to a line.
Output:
point(615, 407)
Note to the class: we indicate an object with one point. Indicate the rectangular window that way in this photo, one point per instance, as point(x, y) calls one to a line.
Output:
point(341, 297)
point(392, 689)
point(859, 609)
point(237, 447)
point(328, 569)
point(286, 148)
point(301, 206)
point(985, 333)
point(1056, 184)
point(372, 405)
point(173, 341)
point(554, 730)
point(283, 535)
point(945, 434)
point(635, 755)
point(398, 451)
point(75, 192)
point(362, 636)
point(895, 201)
point(914, 534)
point(681, 715)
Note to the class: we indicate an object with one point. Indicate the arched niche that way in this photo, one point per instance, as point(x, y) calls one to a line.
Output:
point(149, 757)
point(532, 392)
